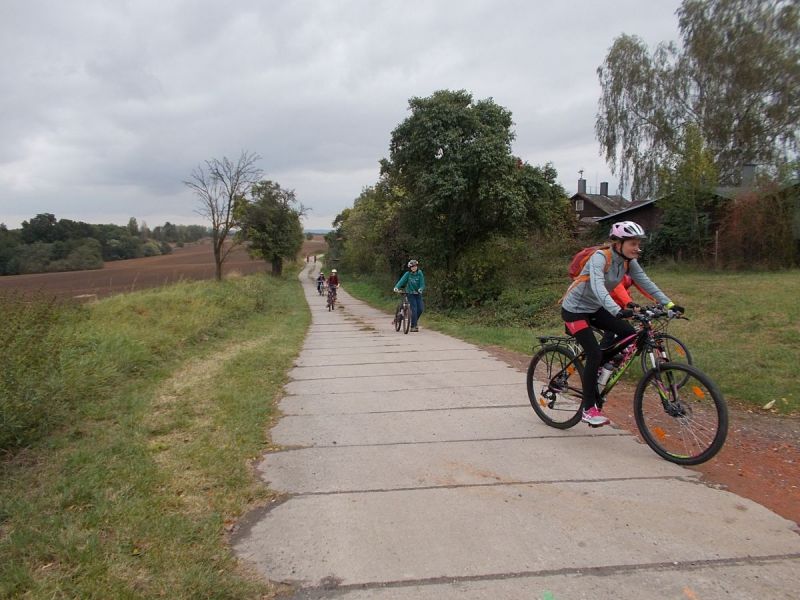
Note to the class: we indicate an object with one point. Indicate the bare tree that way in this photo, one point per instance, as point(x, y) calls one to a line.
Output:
point(221, 185)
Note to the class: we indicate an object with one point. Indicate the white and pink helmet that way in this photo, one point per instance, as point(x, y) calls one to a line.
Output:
point(626, 230)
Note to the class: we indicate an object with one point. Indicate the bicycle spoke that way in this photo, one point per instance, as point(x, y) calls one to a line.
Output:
point(554, 384)
point(680, 414)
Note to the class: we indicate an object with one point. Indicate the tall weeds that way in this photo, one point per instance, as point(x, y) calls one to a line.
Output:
point(32, 392)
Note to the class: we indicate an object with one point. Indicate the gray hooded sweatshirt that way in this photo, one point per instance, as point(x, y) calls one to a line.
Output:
point(589, 296)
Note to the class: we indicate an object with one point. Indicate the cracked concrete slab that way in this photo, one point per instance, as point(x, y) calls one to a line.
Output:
point(414, 468)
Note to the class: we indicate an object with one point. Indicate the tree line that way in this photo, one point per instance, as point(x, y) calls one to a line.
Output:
point(47, 244)
point(681, 122)
point(677, 125)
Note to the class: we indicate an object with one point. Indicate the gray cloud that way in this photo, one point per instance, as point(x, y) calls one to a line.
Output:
point(105, 107)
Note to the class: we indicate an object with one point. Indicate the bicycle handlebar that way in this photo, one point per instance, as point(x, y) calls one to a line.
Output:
point(656, 311)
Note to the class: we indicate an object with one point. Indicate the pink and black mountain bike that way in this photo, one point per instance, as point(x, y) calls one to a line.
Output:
point(680, 412)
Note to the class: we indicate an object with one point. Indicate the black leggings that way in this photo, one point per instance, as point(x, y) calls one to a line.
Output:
point(605, 321)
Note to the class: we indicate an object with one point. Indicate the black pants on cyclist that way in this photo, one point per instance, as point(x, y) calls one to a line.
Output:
point(580, 325)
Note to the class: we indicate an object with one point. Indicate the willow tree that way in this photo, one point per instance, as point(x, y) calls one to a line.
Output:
point(735, 76)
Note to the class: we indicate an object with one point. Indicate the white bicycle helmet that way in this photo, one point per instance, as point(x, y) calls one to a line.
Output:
point(626, 230)
point(413, 263)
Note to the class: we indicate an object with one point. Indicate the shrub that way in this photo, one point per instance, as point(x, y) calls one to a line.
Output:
point(151, 248)
point(85, 255)
point(757, 231)
point(33, 258)
point(485, 271)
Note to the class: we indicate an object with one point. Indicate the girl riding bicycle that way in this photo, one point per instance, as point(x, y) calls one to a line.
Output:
point(588, 304)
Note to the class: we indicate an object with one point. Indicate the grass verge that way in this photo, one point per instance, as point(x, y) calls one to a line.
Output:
point(131, 496)
point(743, 331)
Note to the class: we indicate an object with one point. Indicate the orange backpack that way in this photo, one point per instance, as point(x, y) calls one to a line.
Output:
point(579, 260)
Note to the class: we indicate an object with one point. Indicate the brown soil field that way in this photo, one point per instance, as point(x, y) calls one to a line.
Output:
point(192, 262)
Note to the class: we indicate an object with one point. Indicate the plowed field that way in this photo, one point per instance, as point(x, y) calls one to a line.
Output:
point(193, 261)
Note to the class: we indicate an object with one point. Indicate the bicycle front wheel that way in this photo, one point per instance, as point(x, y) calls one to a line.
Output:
point(681, 413)
point(555, 386)
point(406, 318)
point(398, 319)
point(667, 348)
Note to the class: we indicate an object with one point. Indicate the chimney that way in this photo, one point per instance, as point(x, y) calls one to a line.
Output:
point(581, 186)
point(748, 174)
point(604, 188)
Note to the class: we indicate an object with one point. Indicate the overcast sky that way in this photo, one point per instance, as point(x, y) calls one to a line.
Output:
point(107, 105)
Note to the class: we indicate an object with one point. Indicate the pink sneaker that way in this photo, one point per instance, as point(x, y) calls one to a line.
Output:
point(594, 417)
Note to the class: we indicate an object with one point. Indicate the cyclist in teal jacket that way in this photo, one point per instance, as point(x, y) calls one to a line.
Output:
point(413, 283)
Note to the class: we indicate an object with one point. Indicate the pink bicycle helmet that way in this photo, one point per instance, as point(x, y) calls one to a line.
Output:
point(626, 230)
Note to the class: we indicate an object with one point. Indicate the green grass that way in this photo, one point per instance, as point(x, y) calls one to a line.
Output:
point(132, 494)
point(744, 328)
point(744, 331)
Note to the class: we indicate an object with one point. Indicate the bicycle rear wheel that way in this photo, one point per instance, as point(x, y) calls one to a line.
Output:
point(406, 318)
point(555, 386)
point(398, 319)
point(681, 413)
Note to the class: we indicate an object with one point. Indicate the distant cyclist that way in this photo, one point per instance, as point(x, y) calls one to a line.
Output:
point(588, 304)
point(333, 280)
point(320, 282)
point(413, 283)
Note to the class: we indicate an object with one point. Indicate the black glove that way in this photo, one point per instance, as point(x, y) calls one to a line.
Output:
point(677, 309)
point(632, 305)
point(625, 313)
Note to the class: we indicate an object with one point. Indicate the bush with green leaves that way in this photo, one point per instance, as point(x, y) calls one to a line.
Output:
point(151, 248)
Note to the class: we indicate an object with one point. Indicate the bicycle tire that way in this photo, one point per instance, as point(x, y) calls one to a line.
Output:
point(672, 350)
point(547, 403)
point(406, 318)
point(685, 424)
point(398, 319)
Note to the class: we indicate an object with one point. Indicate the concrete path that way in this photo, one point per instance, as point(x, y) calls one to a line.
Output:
point(414, 468)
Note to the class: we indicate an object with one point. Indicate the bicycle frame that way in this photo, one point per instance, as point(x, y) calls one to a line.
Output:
point(630, 347)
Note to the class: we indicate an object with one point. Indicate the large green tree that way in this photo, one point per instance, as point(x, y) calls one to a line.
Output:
point(735, 76)
point(452, 157)
point(370, 232)
point(270, 222)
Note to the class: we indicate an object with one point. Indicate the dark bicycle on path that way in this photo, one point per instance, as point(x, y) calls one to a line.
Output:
point(402, 314)
point(679, 410)
point(331, 297)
